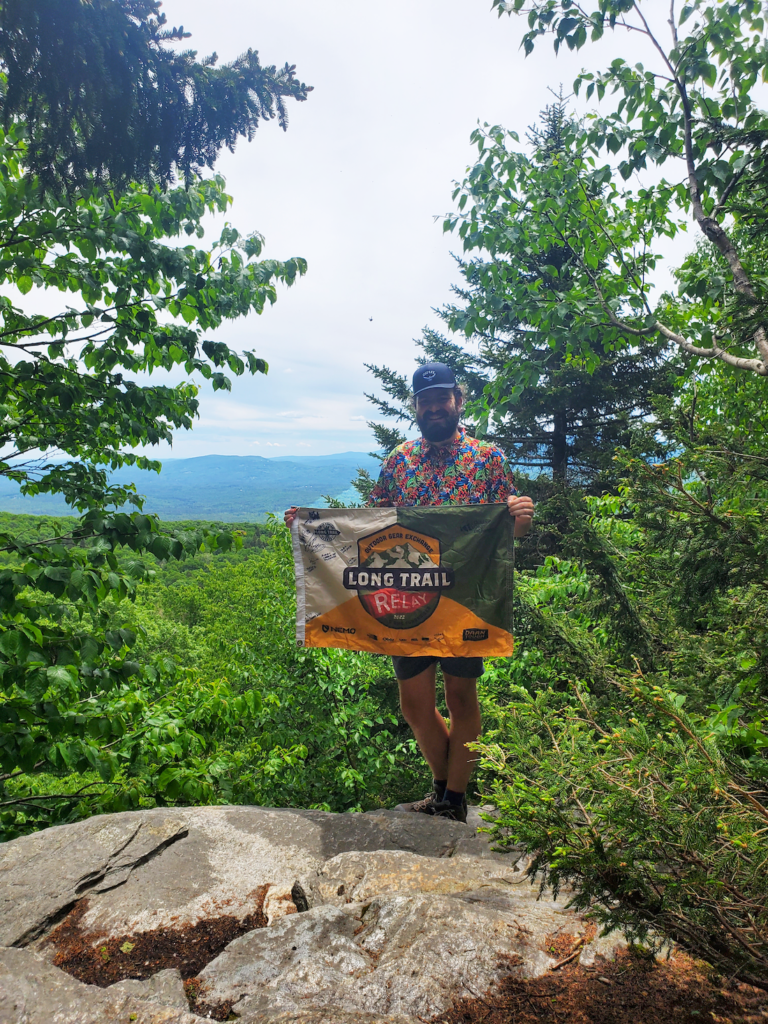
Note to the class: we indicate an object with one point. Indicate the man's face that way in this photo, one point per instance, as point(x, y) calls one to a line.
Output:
point(437, 414)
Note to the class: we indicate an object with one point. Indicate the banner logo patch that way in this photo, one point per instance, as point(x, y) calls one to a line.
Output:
point(475, 634)
point(399, 577)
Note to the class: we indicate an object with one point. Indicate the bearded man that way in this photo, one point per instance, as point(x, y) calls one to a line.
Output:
point(445, 466)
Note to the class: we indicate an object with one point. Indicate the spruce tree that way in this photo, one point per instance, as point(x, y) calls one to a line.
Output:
point(551, 415)
point(100, 92)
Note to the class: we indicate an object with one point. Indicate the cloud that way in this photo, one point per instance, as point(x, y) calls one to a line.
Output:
point(303, 444)
point(274, 444)
point(357, 214)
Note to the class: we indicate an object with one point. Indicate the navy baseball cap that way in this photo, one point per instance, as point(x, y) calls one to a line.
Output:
point(433, 375)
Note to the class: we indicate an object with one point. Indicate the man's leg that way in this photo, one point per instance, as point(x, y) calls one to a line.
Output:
point(464, 709)
point(417, 701)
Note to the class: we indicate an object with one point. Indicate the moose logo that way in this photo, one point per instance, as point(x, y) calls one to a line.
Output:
point(398, 576)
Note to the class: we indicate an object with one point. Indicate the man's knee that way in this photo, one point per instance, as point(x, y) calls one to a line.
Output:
point(461, 697)
point(417, 700)
point(415, 711)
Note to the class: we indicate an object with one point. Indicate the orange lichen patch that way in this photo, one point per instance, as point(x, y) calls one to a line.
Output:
point(629, 991)
point(93, 958)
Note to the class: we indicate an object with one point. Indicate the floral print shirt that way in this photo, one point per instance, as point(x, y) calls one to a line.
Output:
point(466, 472)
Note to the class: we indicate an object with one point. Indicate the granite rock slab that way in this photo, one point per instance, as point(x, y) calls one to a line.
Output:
point(409, 954)
point(356, 877)
point(318, 918)
point(45, 874)
point(32, 991)
point(167, 867)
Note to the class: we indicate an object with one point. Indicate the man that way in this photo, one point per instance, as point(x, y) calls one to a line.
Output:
point(444, 467)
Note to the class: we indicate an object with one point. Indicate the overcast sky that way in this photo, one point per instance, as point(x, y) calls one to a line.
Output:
point(354, 186)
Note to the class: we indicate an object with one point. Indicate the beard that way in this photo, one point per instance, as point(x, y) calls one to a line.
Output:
point(437, 427)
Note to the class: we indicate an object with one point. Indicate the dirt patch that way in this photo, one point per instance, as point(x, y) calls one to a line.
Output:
point(97, 960)
point(630, 991)
point(559, 944)
point(196, 991)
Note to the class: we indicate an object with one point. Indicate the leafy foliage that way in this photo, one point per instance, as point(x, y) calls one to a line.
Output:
point(329, 734)
point(144, 304)
point(101, 94)
point(223, 709)
point(628, 749)
point(694, 104)
point(643, 810)
point(70, 690)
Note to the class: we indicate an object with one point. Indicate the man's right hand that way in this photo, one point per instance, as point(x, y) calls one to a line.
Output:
point(290, 514)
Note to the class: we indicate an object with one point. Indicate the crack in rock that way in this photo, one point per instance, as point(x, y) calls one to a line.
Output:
point(42, 876)
point(119, 873)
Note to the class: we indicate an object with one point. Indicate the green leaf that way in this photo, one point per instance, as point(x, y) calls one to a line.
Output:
point(14, 644)
point(58, 675)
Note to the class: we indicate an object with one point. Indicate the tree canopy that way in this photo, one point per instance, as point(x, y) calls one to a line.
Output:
point(73, 384)
point(102, 94)
point(691, 111)
point(549, 411)
point(93, 101)
point(143, 303)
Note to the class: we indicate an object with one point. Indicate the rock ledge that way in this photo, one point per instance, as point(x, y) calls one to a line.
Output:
point(180, 915)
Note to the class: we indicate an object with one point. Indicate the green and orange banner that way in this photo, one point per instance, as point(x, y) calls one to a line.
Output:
point(424, 580)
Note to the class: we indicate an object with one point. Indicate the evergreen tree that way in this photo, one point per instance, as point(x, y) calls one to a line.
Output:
point(100, 93)
point(548, 412)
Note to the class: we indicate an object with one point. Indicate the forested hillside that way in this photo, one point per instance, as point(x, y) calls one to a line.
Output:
point(229, 488)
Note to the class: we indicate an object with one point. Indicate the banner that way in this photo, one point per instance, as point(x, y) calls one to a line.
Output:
point(423, 580)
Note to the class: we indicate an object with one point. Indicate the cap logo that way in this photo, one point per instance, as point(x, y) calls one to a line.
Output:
point(429, 374)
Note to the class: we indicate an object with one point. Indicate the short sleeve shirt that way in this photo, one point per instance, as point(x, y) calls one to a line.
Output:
point(466, 472)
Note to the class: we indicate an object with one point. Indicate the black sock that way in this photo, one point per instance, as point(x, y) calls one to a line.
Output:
point(454, 798)
point(439, 787)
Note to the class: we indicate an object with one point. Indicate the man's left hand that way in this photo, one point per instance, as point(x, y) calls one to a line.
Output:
point(522, 509)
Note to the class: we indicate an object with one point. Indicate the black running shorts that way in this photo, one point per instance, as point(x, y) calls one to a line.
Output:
point(465, 668)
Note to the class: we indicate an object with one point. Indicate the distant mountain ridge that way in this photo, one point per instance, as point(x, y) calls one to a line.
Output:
point(230, 488)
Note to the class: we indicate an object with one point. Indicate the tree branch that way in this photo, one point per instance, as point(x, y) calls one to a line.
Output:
point(56, 796)
point(21, 771)
point(715, 232)
point(727, 192)
point(757, 366)
point(671, 22)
